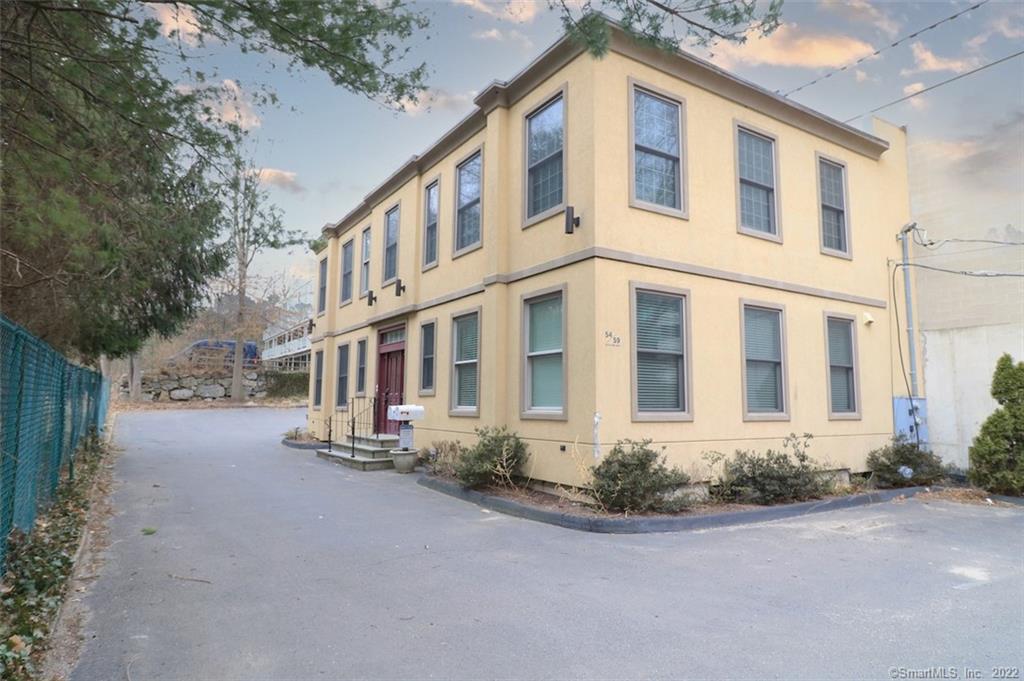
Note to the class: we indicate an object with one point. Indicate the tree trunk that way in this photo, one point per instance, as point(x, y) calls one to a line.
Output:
point(134, 378)
point(238, 368)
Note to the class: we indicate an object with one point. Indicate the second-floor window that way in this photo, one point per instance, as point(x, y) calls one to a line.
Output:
point(321, 299)
point(347, 256)
point(657, 133)
point(757, 182)
point(391, 244)
point(431, 208)
point(832, 190)
point(544, 172)
point(467, 213)
point(364, 268)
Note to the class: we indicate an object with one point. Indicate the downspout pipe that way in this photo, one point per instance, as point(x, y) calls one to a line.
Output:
point(903, 236)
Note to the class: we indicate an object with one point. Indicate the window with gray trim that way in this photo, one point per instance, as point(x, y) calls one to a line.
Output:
point(762, 353)
point(656, 150)
point(545, 368)
point(318, 378)
point(660, 352)
point(757, 182)
point(833, 205)
point(347, 256)
point(361, 366)
point(431, 207)
point(467, 216)
point(841, 381)
point(321, 300)
point(341, 395)
point(465, 361)
point(427, 341)
point(391, 224)
point(364, 269)
point(544, 168)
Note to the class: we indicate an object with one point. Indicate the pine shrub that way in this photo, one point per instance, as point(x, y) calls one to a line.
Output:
point(997, 454)
point(775, 477)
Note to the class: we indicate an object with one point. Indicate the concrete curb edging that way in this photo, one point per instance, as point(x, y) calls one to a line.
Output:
point(301, 445)
point(646, 524)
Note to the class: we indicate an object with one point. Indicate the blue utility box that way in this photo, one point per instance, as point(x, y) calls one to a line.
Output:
point(911, 418)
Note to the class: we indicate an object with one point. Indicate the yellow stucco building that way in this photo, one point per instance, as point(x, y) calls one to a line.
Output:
point(727, 282)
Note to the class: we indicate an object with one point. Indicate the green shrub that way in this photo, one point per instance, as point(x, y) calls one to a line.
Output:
point(636, 479)
point(495, 458)
point(442, 456)
point(997, 454)
point(902, 463)
point(775, 477)
point(281, 384)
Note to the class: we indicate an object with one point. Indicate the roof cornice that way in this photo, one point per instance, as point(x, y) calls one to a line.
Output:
point(685, 66)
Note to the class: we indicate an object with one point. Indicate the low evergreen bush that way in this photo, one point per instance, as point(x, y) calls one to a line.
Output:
point(997, 454)
point(634, 478)
point(775, 477)
point(902, 463)
point(494, 459)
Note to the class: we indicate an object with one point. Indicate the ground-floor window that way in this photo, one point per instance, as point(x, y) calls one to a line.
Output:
point(659, 319)
point(545, 369)
point(427, 357)
point(763, 357)
point(318, 378)
point(465, 362)
point(361, 367)
point(341, 396)
point(841, 374)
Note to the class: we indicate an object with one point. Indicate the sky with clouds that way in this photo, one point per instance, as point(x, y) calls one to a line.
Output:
point(322, 148)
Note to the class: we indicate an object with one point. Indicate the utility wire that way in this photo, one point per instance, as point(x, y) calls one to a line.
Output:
point(880, 50)
point(967, 273)
point(937, 85)
point(931, 243)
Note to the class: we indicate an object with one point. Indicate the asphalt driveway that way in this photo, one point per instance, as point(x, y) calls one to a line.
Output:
point(268, 563)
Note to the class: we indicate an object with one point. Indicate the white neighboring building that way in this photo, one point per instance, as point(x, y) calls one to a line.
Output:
point(966, 324)
point(286, 347)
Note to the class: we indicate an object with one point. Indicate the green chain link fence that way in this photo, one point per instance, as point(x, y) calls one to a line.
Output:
point(47, 404)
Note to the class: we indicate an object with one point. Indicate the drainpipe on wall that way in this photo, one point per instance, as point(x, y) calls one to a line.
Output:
point(908, 303)
point(597, 433)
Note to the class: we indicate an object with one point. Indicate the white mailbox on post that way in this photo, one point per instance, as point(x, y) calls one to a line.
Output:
point(405, 414)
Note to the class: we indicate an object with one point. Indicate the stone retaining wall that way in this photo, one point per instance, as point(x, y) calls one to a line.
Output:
point(182, 388)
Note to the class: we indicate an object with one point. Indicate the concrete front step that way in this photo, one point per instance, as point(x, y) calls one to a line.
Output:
point(363, 449)
point(382, 441)
point(360, 463)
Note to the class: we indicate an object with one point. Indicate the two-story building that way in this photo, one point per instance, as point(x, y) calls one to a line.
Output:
point(728, 281)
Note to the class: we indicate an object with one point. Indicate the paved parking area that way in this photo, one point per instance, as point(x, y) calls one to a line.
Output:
point(311, 571)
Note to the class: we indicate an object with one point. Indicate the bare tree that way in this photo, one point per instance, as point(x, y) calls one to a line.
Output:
point(254, 225)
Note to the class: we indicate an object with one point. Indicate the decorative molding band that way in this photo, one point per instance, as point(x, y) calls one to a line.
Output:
point(601, 253)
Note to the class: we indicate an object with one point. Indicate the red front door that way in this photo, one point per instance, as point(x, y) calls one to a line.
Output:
point(390, 378)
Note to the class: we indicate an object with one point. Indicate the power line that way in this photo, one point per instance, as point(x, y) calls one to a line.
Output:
point(919, 239)
point(948, 254)
point(967, 273)
point(880, 50)
point(937, 85)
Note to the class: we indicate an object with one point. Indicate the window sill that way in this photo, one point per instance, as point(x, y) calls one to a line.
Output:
point(768, 416)
point(345, 303)
point(845, 416)
point(542, 415)
point(429, 266)
point(543, 215)
point(668, 416)
point(843, 255)
point(660, 210)
point(427, 393)
point(758, 234)
point(341, 408)
point(388, 282)
point(467, 250)
point(464, 411)
point(316, 407)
